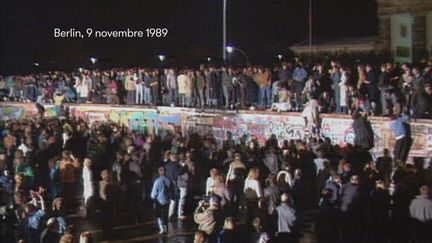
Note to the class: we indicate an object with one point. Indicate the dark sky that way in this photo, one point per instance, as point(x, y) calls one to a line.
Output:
point(262, 28)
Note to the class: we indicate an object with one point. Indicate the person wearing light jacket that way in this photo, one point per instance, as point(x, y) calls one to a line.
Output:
point(421, 211)
point(207, 216)
point(286, 219)
point(87, 180)
point(171, 84)
point(130, 87)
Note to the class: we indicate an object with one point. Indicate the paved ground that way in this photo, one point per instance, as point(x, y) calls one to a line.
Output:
point(125, 230)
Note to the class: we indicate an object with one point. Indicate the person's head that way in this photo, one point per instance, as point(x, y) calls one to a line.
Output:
point(257, 224)
point(355, 179)
point(161, 171)
point(253, 173)
point(336, 178)
point(52, 224)
point(386, 152)
point(18, 154)
point(173, 157)
point(105, 175)
point(424, 190)
point(188, 155)
point(130, 149)
point(285, 198)
point(214, 202)
point(237, 156)
point(416, 71)
point(67, 238)
point(229, 224)
point(65, 154)
point(87, 162)
point(320, 153)
point(19, 179)
point(428, 88)
point(85, 237)
point(167, 154)
point(262, 203)
point(252, 145)
point(200, 237)
point(30, 208)
point(220, 180)
point(214, 172)
point(58, 204)
point(380, 185)
point(346, 167)
point(272, 179)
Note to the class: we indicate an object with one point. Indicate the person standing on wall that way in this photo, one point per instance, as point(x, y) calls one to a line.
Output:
point(401, 130)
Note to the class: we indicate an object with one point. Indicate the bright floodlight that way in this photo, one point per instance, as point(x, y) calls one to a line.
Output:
point(280, 56)
point(36, 64)
point(93, 60)
point(209, 59)
point(161, 58)
point(230, 49)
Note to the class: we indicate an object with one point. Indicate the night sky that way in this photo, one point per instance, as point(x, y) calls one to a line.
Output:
point(263, 28)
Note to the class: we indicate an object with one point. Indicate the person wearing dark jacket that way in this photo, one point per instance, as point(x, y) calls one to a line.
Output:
point(379, 207)
point(423, 108)
point(172, 172)
point(371, 85)
point(50, 233)
point(350, 209)
point(227, 85)
point(228, 233)
point(328, 219)
point(363, 133)
point(251, 87)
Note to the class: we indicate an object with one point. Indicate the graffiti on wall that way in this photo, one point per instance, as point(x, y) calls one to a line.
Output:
point(138, 120)
point(260, 126)
point(25, 110)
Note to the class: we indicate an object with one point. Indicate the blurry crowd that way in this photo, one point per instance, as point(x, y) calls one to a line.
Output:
point(234, 190)
point(383, 89)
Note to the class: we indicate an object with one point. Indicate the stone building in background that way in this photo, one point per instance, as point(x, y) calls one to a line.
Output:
point(405, 28)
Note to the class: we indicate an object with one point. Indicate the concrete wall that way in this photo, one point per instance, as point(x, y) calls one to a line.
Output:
point(243, 123)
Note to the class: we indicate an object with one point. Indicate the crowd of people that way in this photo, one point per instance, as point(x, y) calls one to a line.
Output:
point(382, 89)
point(234, 190)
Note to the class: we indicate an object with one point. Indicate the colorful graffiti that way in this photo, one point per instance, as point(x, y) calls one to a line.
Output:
point(135, 119)
point(243, 124)
point(19, 111)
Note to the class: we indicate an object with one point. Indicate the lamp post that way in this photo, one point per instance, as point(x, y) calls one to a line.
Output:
point(231, 49)
point(224, 31)
point(310, 30)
